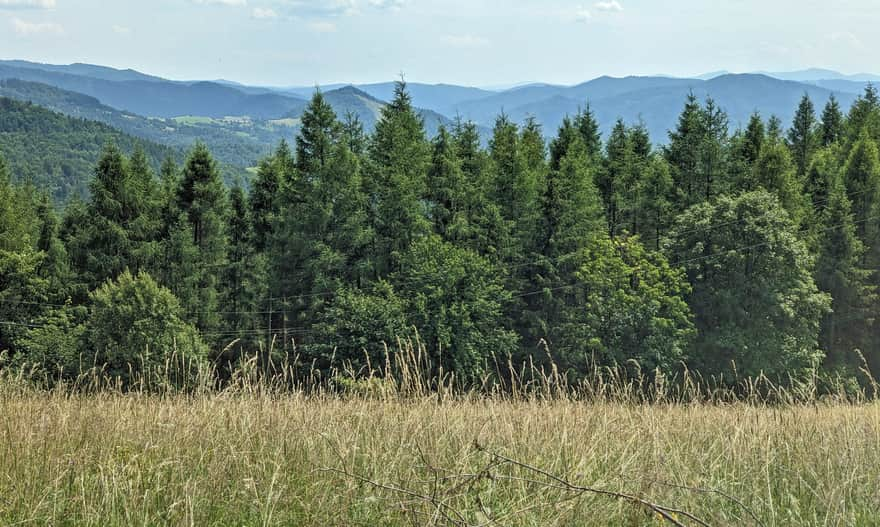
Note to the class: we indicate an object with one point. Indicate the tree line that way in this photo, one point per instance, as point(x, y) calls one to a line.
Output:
point(735, 254)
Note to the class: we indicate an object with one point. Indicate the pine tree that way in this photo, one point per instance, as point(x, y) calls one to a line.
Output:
point(353, 134)
point(611, 181)
point(264, 200)
point(864, 115)
point(202, 200)
point(802, 136)
point(683, 152)
point(832, 126)
point(776, 173)
point(399, 155)
point(319, 133)
point(754, 139)
point(655, 209)
point(588, 128)
point(862, 180)
point(448, 191)
point(243, 283)
point(119, 229)
point(839, 272)
point(55, 265)
point(572, 215)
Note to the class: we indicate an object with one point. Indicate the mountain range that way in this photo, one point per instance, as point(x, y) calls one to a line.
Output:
point(242, 123)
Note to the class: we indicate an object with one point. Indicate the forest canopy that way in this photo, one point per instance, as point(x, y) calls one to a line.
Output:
point(730, 252)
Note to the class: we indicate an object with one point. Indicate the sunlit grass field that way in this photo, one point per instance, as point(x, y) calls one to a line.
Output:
point(261, 458)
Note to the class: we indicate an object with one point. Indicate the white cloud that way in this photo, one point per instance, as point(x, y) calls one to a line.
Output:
point(36, 28)
point(387, 4)
point(465, 41)
point(609, 5)
point(27, 4)
point(264, 13)
point(846, 38)
point(323, 27)
point(233, 3)
point(582, 15)
point(121, 30)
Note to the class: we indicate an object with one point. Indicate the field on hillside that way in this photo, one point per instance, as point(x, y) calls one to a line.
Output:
point(256, 459)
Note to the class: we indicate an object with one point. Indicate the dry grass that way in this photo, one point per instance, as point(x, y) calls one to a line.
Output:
point(249, 458)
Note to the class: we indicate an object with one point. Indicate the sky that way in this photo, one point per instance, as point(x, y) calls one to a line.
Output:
point(469, 42)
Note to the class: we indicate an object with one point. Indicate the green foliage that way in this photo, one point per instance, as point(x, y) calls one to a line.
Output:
point(832, 127)
point(23, 295)
point(802, 136)
point(724, 253)
point(454, 298)
point(757, 308)
point(629, 306)
point(840, 273)
point(399, 155)
point(775, 173)
point(697, 152)
point(202, 199)
point(358, 328)
point(57, 153)
point(135, 328)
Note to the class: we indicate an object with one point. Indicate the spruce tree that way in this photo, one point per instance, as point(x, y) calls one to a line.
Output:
point(802, 136)
point(832, 126)
point(399, 154)
point(202, 199)
point(683, 152)
point(588, 128)
point(264, 199)
point(839, 272)
point(862, 180)
point(776, 172)
point(864, 115)
point(614, 177)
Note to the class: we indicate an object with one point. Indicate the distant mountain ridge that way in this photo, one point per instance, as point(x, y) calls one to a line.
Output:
point(268, 113)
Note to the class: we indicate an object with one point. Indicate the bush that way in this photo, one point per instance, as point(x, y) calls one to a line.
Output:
point(136, 330)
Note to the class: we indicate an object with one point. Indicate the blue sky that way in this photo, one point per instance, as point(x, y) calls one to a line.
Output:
point(473, 42)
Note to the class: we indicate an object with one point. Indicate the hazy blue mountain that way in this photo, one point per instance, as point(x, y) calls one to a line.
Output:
point(658, 106)
point(711, 75)
point(306, 92)
point(856, 87)
point(442, 98)
point(814, 74)
point(368, 109)
point(85, 70)
point(159, 98)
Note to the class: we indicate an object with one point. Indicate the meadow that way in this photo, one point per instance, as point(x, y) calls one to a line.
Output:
point(252, 454)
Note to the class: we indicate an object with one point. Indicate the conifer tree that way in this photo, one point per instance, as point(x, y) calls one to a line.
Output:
point(864, 115)
point(399, 154)
point(802, 136)
point(588, 128)
point(839, 272)
point(264, 199)
point(683, 152)
point(754, 139)
point(202, 199)
point(243, 282)
point(862, 180)
point(831, 128)
point(614, 177)
point(776, 173)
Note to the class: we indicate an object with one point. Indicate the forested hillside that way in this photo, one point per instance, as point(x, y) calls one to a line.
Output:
point(56, 153)
point(235, 142)
point(732, 253)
